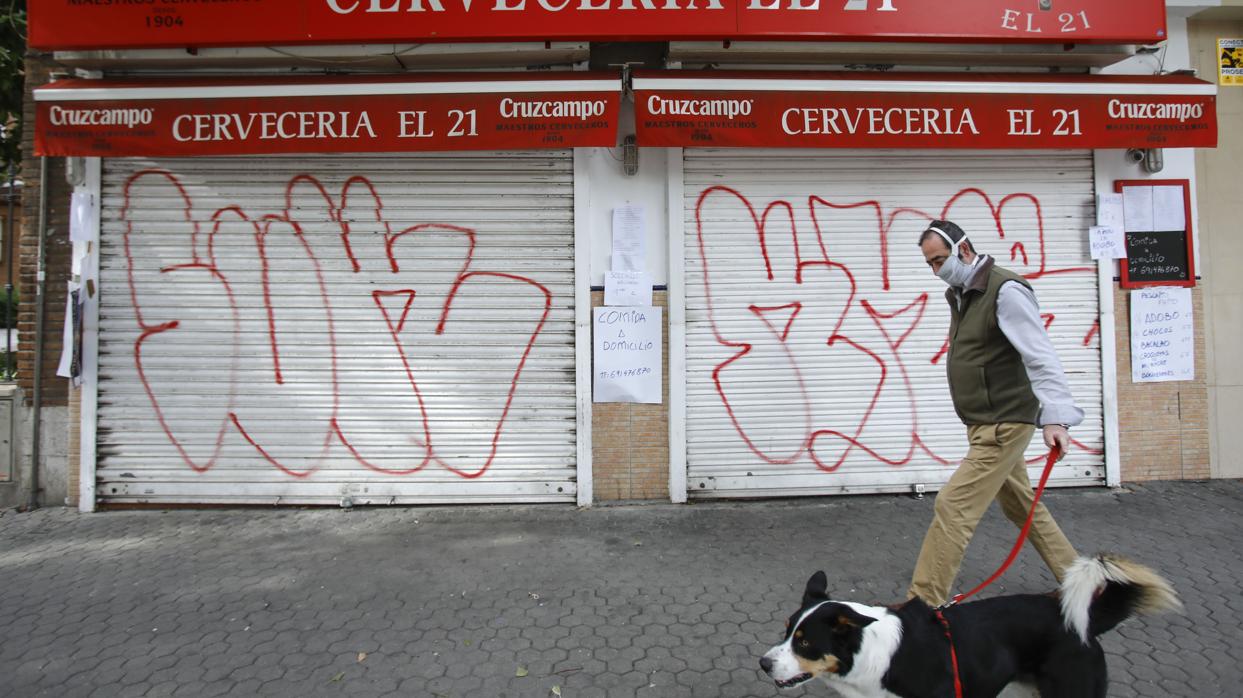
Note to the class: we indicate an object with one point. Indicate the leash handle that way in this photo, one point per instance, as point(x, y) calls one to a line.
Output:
point(1054, 454)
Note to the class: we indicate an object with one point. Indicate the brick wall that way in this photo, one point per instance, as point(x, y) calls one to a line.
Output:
point(630, 442)
point(57, 254)
point(1163, 427)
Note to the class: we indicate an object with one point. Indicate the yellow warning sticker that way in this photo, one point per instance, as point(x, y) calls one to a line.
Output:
point(1230, 65)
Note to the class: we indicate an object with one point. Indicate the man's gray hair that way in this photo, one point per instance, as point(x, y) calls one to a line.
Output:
point(946, 231)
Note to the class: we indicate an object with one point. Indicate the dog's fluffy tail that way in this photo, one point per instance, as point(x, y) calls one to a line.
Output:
point(1100, 592)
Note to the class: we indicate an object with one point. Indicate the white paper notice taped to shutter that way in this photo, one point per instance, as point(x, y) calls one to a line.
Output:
point(627, 354)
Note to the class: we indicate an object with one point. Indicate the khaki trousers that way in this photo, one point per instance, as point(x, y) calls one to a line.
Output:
point(992, 469)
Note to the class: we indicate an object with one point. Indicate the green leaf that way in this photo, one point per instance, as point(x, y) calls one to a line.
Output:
point(522, 671)
point(12, 77)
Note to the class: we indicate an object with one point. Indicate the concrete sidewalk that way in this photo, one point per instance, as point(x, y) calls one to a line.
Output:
point(656, 600)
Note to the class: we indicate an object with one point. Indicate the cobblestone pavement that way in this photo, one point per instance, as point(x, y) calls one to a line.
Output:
point(655, 600)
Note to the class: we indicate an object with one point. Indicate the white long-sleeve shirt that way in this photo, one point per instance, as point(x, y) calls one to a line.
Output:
point(1018, 315)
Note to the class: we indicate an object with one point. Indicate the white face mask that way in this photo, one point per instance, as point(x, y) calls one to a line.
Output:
point(954, 271)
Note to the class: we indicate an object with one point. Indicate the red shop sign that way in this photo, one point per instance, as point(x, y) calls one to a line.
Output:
point(919, 110)
point(112, 24)
point(484, 112)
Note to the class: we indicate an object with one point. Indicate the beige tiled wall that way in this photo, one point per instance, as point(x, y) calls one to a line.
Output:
point(1163, 427)
point(630, 442)
point(1219, 182)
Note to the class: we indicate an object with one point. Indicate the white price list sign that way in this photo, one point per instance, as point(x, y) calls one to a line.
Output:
point(1162, 337)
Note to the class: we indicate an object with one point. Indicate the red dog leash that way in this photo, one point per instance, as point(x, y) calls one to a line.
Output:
point(1054, 455)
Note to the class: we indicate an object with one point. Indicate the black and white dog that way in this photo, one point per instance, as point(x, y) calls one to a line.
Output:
point(1046, 641)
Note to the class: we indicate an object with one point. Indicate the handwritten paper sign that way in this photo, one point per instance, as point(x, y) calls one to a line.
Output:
point(627, 354)
point(627, 288)
point(1106, 242)
point(1162, 342)
point(1109, 210)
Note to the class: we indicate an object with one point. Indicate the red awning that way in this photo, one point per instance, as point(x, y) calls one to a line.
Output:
point(476, 111)
point(105, 24)
point(922, 110)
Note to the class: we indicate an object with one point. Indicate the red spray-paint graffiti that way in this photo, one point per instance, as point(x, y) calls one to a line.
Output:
point(815, 296)
point(319, 340)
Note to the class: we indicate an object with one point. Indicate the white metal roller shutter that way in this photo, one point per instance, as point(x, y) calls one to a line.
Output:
point(814, 360)
point(377, 329)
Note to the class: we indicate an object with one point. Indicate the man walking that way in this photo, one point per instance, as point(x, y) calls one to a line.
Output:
point(1005, 380)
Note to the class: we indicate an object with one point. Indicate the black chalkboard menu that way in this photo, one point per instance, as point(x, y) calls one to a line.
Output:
point(1158, 236)
point(1157, 257)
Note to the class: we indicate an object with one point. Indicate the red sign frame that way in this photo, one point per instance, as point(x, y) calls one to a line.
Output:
point(72, 24)
point(922, 110)
point(1124, 276)
point(464, 111)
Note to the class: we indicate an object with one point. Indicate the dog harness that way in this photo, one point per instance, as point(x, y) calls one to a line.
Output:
point(1054, 454)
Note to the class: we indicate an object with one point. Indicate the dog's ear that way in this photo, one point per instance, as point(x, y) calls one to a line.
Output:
point(848, 620)
point(816, 589)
